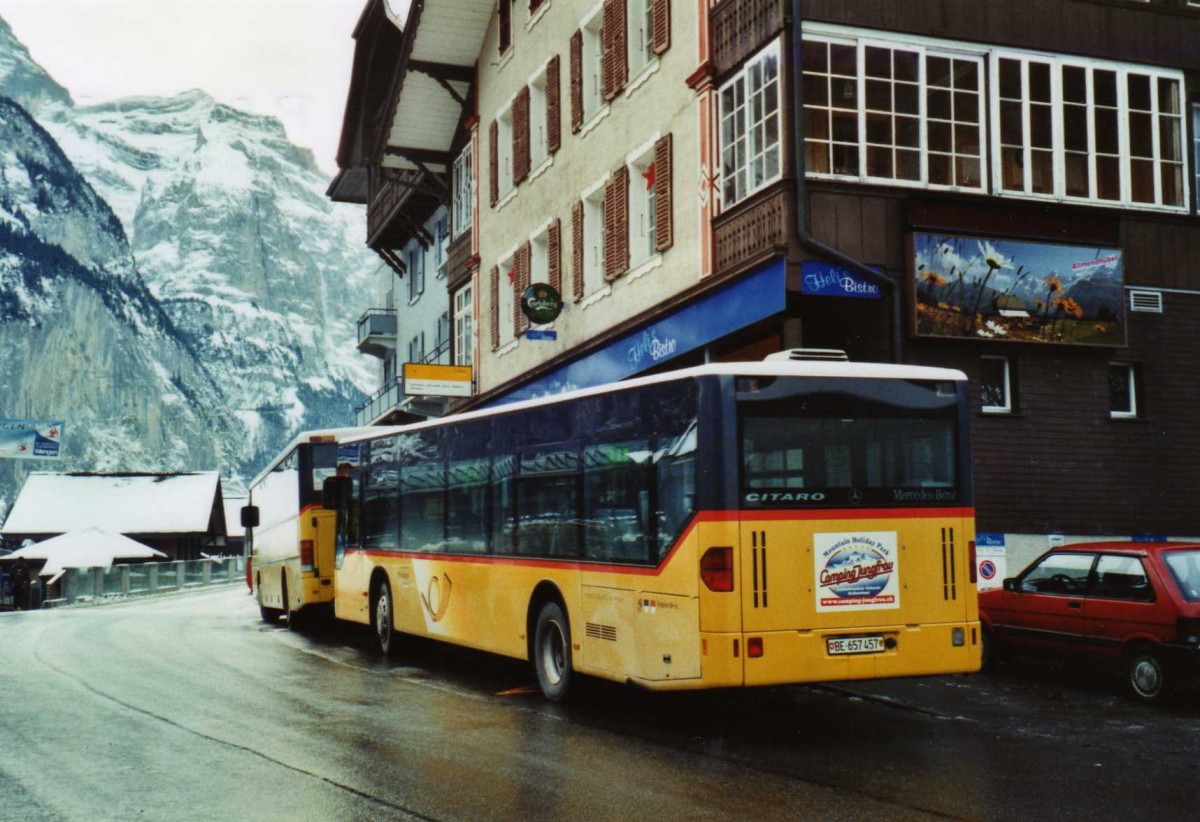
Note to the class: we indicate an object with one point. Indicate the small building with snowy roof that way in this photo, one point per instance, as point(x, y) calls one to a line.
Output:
point(181, 515)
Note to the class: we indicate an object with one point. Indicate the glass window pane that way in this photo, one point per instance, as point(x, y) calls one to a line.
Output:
point(1121, 577)
point(1139, 92)
point(1010, 79)
point(843, 60)
point(938, 105)
point(877, 62)
point(1062, 574)
point(1039, 82)
point(1074, 81)
point(907, 66)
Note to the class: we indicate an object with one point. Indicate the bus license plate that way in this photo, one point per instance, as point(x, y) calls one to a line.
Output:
point(854, 645)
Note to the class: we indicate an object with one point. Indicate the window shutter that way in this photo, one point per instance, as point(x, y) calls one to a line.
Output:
point(577, 249)
point(664, 226)
point(521, 136)
point(505, 23)
point(576, 81)
point(553, 113)
point(616, 224)
point(662, 25)
point(554, 252)
point(520, 321)
point(495, 307)
point(494, 161)
point(615, 51)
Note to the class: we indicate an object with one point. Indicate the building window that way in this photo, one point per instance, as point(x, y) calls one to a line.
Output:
point(504, 148)
point(507, 300)
point(995, 385)
point(441, 245)
point(464, 334)
point(464, 192)
point(593, 241)
point(750, 127)
point(593, 66)
point(1119, 138)
point(1196, 146)
point(1122, 391)
point(640, 30)
point(907, 114)
point(539, 256)
point(416, 348)
point(539, 146)
point(642, 191)
point(416, 272)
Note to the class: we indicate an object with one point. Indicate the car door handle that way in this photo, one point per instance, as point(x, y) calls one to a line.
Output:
point(1074, 604)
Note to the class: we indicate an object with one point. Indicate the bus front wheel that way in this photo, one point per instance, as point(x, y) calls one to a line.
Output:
point(383, 619)
point(552, 652)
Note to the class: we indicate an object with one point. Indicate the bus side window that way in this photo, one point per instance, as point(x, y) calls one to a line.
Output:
point(617, 478)
point(671, 412)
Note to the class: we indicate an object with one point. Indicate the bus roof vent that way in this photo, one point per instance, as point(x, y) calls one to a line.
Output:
point(1151, 301)
point(795, 354)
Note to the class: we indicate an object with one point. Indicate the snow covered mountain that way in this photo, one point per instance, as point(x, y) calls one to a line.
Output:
point(222, 227)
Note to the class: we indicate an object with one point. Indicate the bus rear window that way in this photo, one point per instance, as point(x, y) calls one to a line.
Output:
point(794, 460)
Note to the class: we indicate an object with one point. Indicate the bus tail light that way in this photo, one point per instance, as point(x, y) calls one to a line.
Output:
point(972, 563)
point(716, 569)
point(306, 552)
point(754, 647)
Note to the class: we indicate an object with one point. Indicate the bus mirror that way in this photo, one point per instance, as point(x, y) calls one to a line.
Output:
point(250, 516)
point(334, 492)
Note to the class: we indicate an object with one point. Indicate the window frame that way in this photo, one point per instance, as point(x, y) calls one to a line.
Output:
point(416, 272)
point(640, 23)
point(642, 201)
point(463, 333)
point(508, 298)
point(738, 119)
point(593, 238)
point(592, 64)
point(463, 205)
point(539, 108)
point(1009, 406)
point(1196, 149)
point(1133, 410)
point(505, 155)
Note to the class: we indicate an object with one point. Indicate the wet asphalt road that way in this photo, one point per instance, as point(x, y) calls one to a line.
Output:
point(188, 707)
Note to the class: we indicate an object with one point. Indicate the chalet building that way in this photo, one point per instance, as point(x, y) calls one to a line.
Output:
point(1007, 189)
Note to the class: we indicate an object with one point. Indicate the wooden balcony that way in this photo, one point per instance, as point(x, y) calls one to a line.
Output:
point(741, 27)
point(755, 230)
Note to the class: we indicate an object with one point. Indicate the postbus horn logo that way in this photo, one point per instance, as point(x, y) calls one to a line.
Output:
point(437, 598)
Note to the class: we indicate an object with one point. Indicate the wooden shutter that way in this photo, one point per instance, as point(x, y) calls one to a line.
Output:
point(520, 111)
point(577, 249)
point(494, 161)
point(504, 21)
point(664, 211)
point(576, 81)
point(495, 312)
point(662, 25)
point(615, 53)
point(520, 321)
point(616, 224)
point(553, 107)
point(554, 252)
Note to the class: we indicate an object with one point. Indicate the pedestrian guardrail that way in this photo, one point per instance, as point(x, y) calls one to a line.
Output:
point(97, 585)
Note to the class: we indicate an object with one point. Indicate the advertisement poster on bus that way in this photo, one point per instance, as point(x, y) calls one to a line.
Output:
point(857, 572)
point(31, 439)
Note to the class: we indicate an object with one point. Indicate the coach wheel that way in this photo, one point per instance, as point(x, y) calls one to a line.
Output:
point(1147, 678)
point(552, 652)
point(290, 617)
point(383, 619)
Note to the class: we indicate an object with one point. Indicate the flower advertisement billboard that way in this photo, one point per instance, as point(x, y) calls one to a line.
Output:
point(991, 289)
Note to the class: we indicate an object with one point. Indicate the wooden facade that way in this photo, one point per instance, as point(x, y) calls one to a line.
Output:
point(1059, 462)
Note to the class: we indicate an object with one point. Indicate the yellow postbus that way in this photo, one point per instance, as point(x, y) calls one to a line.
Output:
point(289, 536)
point(727, 525)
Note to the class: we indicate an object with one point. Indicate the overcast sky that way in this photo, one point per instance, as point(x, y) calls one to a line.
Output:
point(286, 58)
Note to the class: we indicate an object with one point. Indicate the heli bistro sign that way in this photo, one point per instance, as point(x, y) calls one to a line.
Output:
point(826, 280)
point(992, 289)
point(31, 439)
point(425, 380)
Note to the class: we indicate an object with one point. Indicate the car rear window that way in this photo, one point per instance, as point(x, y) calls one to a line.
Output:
point(1185, 567)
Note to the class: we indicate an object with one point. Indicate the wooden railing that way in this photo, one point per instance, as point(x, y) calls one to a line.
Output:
point(741, 27)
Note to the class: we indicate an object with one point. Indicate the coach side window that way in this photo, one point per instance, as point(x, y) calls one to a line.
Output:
point(466, 447)
point(422, 491)
point(380, 514)
point(670, 411)
point(617, 478)
point(547, 481)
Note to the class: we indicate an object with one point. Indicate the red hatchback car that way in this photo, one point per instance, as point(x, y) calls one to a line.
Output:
point(1133, 604)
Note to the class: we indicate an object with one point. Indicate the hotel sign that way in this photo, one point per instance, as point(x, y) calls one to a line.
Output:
point(423, 379)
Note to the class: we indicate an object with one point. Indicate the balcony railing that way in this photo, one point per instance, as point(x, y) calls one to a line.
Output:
point(391, 396)
point(377, 331)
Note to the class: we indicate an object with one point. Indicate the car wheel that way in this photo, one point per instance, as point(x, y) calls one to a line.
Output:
point(1146, 675)
point(552, 652)
point(381, 616)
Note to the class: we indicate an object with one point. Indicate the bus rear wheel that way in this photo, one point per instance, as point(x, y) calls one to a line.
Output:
point(268, 615)
point(382, 619)
point(552, 652)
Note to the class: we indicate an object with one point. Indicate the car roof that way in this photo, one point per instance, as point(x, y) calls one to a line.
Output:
point(1126, 547)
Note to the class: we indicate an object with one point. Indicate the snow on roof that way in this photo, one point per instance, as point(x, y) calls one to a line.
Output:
point(117, 503)
point(89, 548)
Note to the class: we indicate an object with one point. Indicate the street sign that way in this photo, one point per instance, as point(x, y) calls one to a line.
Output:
point(424, 379)
point(538, 334)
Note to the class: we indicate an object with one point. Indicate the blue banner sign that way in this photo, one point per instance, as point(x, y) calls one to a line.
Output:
point(31, 439)
point(828, 280)
point(1149, 537)
point(987, 539)
point(748, 300)
point(538, 334)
